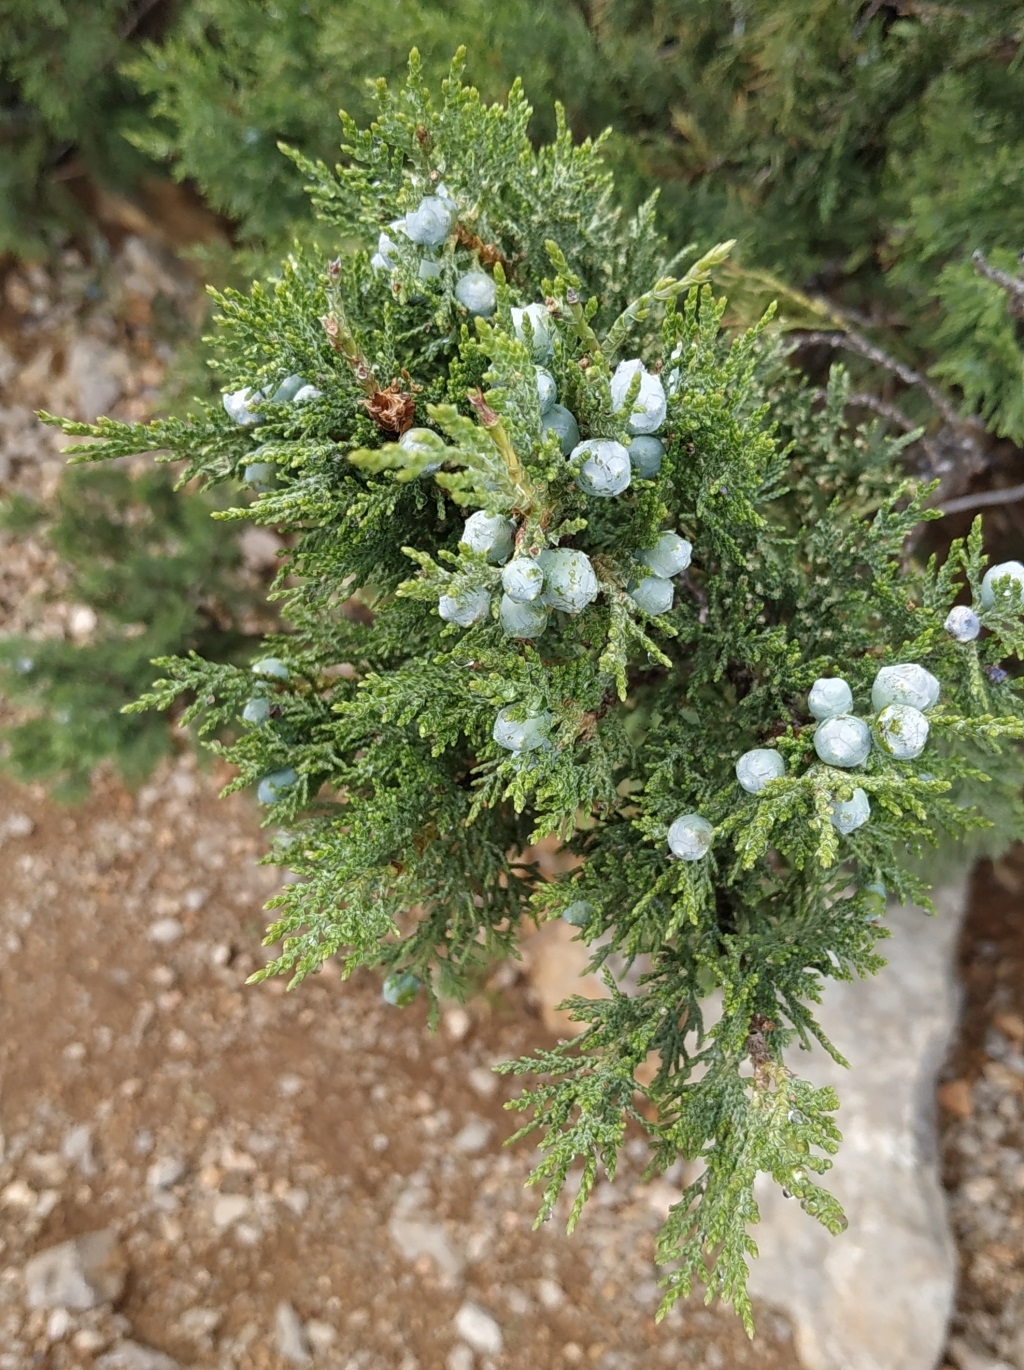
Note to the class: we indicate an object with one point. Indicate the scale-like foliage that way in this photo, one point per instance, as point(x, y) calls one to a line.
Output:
point(414, 745)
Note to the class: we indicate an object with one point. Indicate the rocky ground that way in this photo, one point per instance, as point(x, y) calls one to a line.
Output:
point(312, 1178)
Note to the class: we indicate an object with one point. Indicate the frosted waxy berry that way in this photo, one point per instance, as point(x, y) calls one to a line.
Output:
point(577, 915)
point(650, 406)
point(539, 322)
point(260, 475)
point(428, 270)
point(466, 608)
point(1012, 574)
point(429, 223)
point(522, 735)
point(400, 989)
point(843, 741)
point(272, 787)
point(477, 292)
point(653, 594)
point(756, 768)
point(829, 696)
point(307, 393)
point(547, 391)
point(562, 423)
point(521, 619)
point(962, 623)
point(382, 259)
point(569, 580)
point(875, 897)
point(645, 454)
point(669, 555)
point(690, 836)
point(522, 579)
point(422, 442)
point(906, 683)
point(850, 814)
point(606, 471)
point(902, 731)
point(257, 710)
point(287, 390)
point(490, 534)
point(237, 406)
point(272, 666)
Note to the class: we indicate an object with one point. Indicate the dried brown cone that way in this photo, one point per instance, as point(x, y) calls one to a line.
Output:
point(392, 409)
point(487, 252)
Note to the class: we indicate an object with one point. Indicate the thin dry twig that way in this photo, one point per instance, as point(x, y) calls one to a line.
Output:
point(852, 341)
point(982, 500)
point(1013, 285)
point(863, 400)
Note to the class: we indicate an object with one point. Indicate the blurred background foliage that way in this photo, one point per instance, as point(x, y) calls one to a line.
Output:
point(159, 576)
point(859, 151)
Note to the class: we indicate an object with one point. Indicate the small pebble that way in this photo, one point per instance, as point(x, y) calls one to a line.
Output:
point(483, 1082)
point(473, 1137)
point(290, 1335)
point(476, 1326)
point(165, 930)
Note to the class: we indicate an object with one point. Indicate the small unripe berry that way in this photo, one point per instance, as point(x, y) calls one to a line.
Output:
point(522, 579)
point(287, 390)
point(522, 619)
point(466, 608)
point(522, 735)
point(577, 915)
point(260, 475)
point(428, 270)
point(875, 897)
point(382, 259)
point(272, 666)
point(645, 454)
point(829, 696)
point(843, 741)
point(902, 731)
point(477, 292)
point(400, 989)
point(257, 710)
point(669, 555)
point(606, 471)
point(1011, 573)
point(850, 814)
point(569, 580)
point(649, 407)
point(490, 534)
point(547, 391)
point(562, 423)
point(906, 683)
point(690, 836)
point(236, 405)
point(962, 623)
point(273, 786)
point(424, 442)
point(539, 322)
point(653, 594)
point(429, 223)
point(758, 767)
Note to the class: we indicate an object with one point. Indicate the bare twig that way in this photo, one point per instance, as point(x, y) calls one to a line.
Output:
point(852, 341)
point(983, 500)
point(863, 400)
point(1013, 285)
